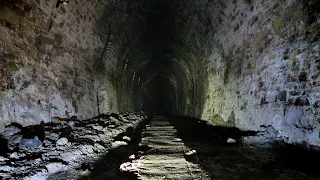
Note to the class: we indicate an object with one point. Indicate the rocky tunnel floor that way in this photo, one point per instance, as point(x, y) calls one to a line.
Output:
point(65, 148)
point(131, 146)
point(251, 156)
point(185, 148)
point(165, 157)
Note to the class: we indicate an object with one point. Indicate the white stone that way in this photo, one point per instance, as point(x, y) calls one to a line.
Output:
point(126, 138)
point(71, 124)
point(99, 128)
point(62, 141)
point(22, 155)
point(128, 166)
point(117, 144)
point(86, 172)
point(230, 140)
point(3, 159)
point(131, 157)
point(190, 152)
point(14, 155)
point(55, 167)
point(6, 168)
point(113, 119)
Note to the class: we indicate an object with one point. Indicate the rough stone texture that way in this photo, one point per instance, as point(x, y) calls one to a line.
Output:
point(261, 60)
point(239, 63)
point(9, 131)
point(47, 57)
point(166, 157)
point(245, 64)
point(62, 142)
point(65, 150)
point(257, 63)
point(55, 167)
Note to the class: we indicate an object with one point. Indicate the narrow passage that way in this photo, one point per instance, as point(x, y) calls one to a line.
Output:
point(166, 155)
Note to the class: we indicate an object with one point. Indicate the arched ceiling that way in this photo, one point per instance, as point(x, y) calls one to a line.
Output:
point(156, 65)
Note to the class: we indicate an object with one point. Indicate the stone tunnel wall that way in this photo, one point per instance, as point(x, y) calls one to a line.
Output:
point(48, 58)
point(75, 59)
point(117, 80)
point(262, 64)
point(244, 63)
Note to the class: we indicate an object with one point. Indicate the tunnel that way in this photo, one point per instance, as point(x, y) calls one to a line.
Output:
point(230, 74)
point(158, 71)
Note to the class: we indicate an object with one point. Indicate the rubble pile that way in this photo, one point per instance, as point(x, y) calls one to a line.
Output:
point(35, 152)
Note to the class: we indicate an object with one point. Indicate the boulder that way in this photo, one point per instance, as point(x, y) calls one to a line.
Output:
point(126, 138)
point(230, 140)
point(15, 139)
point(131, 157)
point(10, 131)
point(62, 142)
point(117, 144)
point(14, 155)
point(71, 124)
point(30, 143)
point(55, 167)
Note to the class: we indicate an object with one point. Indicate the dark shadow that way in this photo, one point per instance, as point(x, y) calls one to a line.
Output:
point(30, 132)
point(238, 161)
point(108, 166)
point(3, 147)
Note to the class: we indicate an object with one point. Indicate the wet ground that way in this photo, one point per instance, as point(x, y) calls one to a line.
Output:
point(216, 157)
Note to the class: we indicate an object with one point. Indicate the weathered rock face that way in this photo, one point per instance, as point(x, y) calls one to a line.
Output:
point(47, 58)
point(64, 60)
point(248, 64)
point(261, 64)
